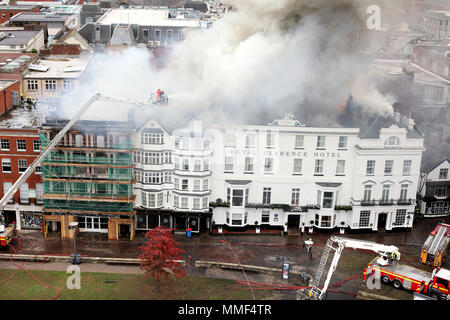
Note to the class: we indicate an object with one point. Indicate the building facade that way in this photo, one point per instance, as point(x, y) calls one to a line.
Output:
point(434, 191)
point(436, 23)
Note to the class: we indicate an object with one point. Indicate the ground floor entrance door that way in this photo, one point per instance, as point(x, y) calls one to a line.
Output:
point(382, 218)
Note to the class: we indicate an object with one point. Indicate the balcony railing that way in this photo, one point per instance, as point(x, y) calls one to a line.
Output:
point(405, 201)
point(368, 202)
point(386, 202)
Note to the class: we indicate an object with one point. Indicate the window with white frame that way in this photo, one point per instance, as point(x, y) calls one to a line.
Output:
point(299, 141)
point(237, 198)
point(21, 145)
point(326, 222)
point(370, 167)
point(440, 191)
point(6, 165)
point(320, 142)
point(38, 170)
point(250, 140)
point(443, 173)
point(248, 164)
point(205, 184)
point(167, 177)
point(227, 219)
point(268, 165)
point(197, 165)
point(22, 165)
point(385, 193)
point(36, 145)
point(400, 217)
point(388, 167)
point(267, 192)
point(236, 219)
point(318, 167)
point(32, 85)
point(270, 139)
point(407, 167)
point(196, 185)
point(297, 166)
point(145, 33)
point(367, 192)
point(6, 187)
point(184, 184)
point(169, 35)
point(295, 198)
point(50, 85)
point(177, 163)
point(327, 199)
point(230, 139)
point(196, 203)
point(176, 201)
point(4, 144)
point(152, 138)
point(265, 217)
point(229, 164)
point(68, 84)
point(364, 218)
point(403, 192)
point(185, 164)
point(340, 167)
point(205, 165)
point(184, 202)
point(24, 193)
point(392, 141)
point(342, 142)
point(197, 143)
point(176, 183)
point(205, 203)
point(157, 34)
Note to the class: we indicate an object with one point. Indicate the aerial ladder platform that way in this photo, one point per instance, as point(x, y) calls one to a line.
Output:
point(435, 247)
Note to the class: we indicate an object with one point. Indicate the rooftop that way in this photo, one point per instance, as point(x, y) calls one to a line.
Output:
point(440, 14)
point(17, 8)
point(39, 17)
point(58, 67)
point(16, 37)
point(145, 17)
point(6, 83)
point(23, 118)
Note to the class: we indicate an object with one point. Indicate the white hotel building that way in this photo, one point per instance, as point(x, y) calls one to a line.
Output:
point(281, 176)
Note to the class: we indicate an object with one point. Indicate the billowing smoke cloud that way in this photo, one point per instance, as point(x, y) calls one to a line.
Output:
point(261, 60)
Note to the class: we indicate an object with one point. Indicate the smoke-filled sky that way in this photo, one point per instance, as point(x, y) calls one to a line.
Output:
point(261, 60)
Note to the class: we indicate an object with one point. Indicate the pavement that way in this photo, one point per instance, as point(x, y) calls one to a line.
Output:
point(259, 250)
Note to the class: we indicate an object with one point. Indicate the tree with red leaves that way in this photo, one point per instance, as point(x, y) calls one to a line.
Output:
point(158, 256)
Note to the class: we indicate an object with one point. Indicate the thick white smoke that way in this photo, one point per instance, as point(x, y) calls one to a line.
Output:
point(261, 60)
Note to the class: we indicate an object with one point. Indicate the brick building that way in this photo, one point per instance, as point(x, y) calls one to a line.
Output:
point(7, 12)
point(9, 94)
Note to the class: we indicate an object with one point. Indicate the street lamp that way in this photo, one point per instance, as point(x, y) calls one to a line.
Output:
point(74, 258)
point(308, 243)
point(408, 218)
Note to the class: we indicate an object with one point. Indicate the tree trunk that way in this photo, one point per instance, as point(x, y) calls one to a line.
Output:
point(158, 286)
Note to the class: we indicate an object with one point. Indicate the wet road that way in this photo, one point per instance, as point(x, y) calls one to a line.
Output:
point(260, 250)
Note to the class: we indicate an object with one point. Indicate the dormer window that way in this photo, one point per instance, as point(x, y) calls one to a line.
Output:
point(392, 141)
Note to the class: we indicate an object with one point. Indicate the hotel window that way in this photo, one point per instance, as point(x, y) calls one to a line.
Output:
point(298, 166)
point(145, 33)
point(327, 200)
point(160, 202)
point(299, 140)
point(342, 142)
point(169, 35)
point(197, 165)
point(270, 138)
point(157, 34)
point(388, 167)
point(205, 184)
point(268, 165)
point(340, 167)
point(230, 139)
point(265, 217)
point(250, 140)
point(32, 85)
point(24, 193)
point(205, 203)
point(267, 192)
point(320, 142)
point(36, 145)
point(68, 84)
point(443, 173)
point(238, 198)
point(205, 165)
point(21, 145)
point(440, 191)
point(177, 143)
point(151, 200)
point(176, 183)
point(406, 167)
point(236, 219)
point(184, 184)
point(5, 144)
point(196, 204)
point(167, 177)
point(228, 164)
point(198, 143)
point(368, 192)
point(177, 163)
point(22, 165)
point(176, 201)
point(248, 164)
point(184, 202)
point(50, 85)
point(295, 199)
point(403, 191)
point(370, 168)
point(318, 168)
point(6, 187)
point(364, 218)
point(6, 165)
point(196, 185)
point(392, 141)
point(185, 164)
point(400, 217)
point(385, 193)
